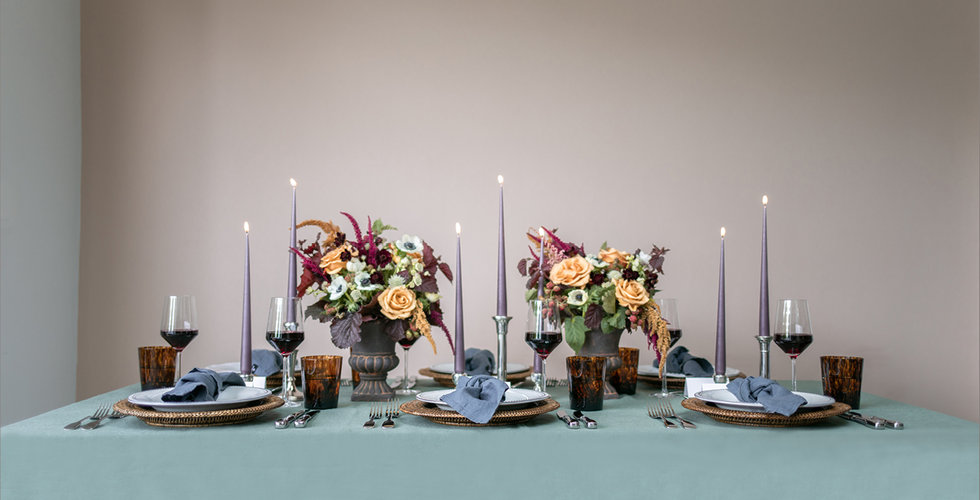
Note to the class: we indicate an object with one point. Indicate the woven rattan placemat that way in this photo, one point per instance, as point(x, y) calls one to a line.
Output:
point(757, 419)
point(502, 417)
point(446, 379)
point(197, 418)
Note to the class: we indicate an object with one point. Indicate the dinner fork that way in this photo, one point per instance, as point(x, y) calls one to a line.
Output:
point(655, 414)
point(95, 423)
point(671, 413)
point(102, 410)
point(389, 413)
point(375, 414)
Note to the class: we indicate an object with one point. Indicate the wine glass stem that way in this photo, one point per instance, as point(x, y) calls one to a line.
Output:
point(663, 383)
point(544, 377)
point(405, 376)
point(177, 370)
point(792, 360)
point(287, 365)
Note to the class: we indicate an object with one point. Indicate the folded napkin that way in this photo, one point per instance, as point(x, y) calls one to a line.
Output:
point(266, 362)
point(201, 385)
point(477, 397)
point(479, 362)
point(681, 361)
point(773, 397)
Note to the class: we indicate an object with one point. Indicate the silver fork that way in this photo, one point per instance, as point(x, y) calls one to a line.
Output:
point(95, 423)
point(673, 414)
point(655, 413)
point(375, 414)
point(389, 413)
point(103, 409)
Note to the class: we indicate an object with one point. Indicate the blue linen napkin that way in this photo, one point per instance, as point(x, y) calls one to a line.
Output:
point(476, 398)
point(773, 397)
point(201, 385)
point(479, 362)
point(266, 362)
point(681, 361)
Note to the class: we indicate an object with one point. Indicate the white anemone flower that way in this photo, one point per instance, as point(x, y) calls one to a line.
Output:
point(363, 282)
point(577, 297)
point(337, 288)
point(356, 265)
point(644, 258)
point(409, 244)
point(596, 262)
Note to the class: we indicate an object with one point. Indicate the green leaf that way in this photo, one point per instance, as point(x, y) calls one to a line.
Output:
point(614, 323)
point(609, 301)
point(379, 227)
point(575, 332)
point(530, 295)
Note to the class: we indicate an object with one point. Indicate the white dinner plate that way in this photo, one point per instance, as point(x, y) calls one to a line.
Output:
point(512, 397)
point(652, 371)
point(232, 397)
point(723, 398)
point(448, 367)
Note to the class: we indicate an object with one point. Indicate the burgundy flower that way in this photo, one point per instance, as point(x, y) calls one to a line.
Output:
point(376, 278)
point(383, 258)
point(345, 256)
point(630, 274)
point(597, 278)
point(341, 238)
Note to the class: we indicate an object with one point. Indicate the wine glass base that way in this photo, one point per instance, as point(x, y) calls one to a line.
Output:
point(668, 394)
point(290, 404)
point(406, 392)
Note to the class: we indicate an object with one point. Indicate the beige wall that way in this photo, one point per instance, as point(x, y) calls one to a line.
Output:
point(632, 122)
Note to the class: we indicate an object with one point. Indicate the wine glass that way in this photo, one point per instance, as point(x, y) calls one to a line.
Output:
point(179, 324)
point(543, 331)
point(404, 389)
point(792, 332)
point(668, 311)
point(284, 331)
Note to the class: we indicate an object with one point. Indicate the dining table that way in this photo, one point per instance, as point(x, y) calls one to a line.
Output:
point(628, 455)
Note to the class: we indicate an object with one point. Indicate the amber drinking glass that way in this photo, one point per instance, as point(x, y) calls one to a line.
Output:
point(321, 381)
point(157, 366)
point(586, 386)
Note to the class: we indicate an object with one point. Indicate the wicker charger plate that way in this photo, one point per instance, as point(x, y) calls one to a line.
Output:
point(756, 419)
point(446, 379)
point(502, 417)
point(197, 418)
point(672, 382)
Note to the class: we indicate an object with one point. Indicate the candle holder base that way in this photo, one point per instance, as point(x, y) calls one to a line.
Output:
point(720, 379)
point(764, 355)
point(501, 322)
point(456, 377)
point(539, 383)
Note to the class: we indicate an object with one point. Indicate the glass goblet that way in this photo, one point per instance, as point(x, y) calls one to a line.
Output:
point(792, 332)
point(284, 332)
point(179, 325)
point(543, 331)
point(668, 311)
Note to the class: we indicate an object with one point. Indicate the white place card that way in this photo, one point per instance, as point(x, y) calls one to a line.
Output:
point(694, 385)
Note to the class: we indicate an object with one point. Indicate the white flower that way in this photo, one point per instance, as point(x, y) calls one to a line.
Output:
point(644, 258)
point(419, 267)
point(596, 262)
point(356, 266)
point(577, 297)
point(337, 288)
point(395, 280)
point(356, 295)
point(432, 297)
point(416, 280)
point(409, 244)
point(363, 281)
point(614, 275)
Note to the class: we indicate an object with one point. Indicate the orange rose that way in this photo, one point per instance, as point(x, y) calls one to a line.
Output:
point(331, 263)
point(397, 302)
point(573, 271)
point(611, 256)
point(631, 294)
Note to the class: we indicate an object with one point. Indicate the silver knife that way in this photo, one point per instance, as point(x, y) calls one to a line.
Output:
point(856, 417)
point(284, 422)
point(305, 419)
point(569, 421)
point(589, 423)
point(891, 424)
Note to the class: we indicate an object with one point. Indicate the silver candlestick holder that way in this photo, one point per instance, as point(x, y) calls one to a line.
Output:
point(502, 322)
point(539, 383)
point(764, 355)
point(456, 377)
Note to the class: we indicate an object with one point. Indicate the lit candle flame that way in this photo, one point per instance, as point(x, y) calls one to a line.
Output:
point(292, 182)
point(722, 232)
point(457, 229)
point(246, 226)
point(541, 232)
point(765, 200)
point(500, 179)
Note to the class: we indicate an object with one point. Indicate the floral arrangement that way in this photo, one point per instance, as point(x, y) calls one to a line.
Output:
point(370, 279)
point(610, 290)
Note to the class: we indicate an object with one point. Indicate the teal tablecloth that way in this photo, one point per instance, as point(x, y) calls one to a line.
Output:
point(629, 456)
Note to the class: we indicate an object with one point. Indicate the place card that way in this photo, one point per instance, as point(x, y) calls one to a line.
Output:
point(694, 385)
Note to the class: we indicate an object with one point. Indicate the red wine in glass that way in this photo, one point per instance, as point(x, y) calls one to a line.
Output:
point(406, 342)
point(405, 388)
point(543, 343)
point(675, 335)
point(794, 345)
point(285, 341)
point(178, 339)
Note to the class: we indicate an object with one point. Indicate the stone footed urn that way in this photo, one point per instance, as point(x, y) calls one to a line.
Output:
point(607, 346)
point(373, 357)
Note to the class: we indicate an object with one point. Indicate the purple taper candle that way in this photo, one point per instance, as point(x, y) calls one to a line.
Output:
point(764, 330)
point(291, 282)
point(538, 362)
point(460, 361)
point(246, 359)
point(720, 332)
point(501, 259)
